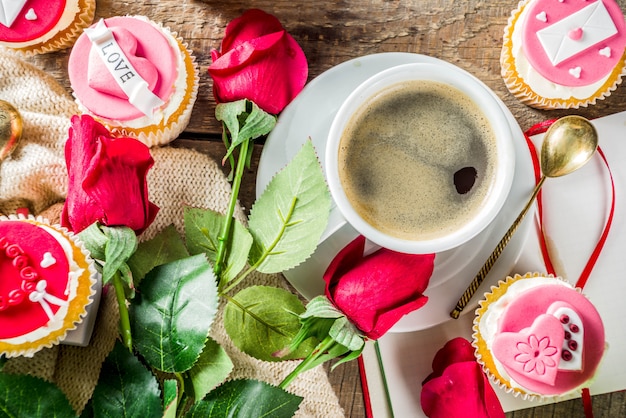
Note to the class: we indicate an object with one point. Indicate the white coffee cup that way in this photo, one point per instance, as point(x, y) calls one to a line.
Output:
point(499, 181)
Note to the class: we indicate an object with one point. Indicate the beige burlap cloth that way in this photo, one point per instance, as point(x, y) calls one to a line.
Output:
point(35, 177)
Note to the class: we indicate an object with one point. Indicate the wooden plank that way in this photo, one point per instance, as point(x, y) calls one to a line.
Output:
point(465, 33)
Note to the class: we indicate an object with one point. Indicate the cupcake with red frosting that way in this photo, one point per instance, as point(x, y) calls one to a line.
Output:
point(564, 54)
point(135, 77)
point(538, 337)
point(40, 26)
point(48, 284)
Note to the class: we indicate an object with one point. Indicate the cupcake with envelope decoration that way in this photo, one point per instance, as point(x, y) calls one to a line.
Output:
point(561, 54)
point(49, 283)
point(39, 26)
point(135, 77)
point(538, 337)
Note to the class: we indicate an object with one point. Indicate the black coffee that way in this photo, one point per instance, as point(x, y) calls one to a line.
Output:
point(399, 154)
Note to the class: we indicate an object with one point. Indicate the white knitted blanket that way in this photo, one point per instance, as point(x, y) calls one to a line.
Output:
point(35, 176)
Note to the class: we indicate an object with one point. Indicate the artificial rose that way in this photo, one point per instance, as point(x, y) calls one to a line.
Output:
point(458, 387)
point(107, 179)
point(375, 291)
point(259, 61)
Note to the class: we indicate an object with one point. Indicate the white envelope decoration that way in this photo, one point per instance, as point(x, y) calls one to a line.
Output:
point(594, 21)
point(9, 10)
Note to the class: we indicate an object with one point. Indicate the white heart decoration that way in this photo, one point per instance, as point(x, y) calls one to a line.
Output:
point(605, 52)
point(542, 16)
point(10, 10)
point(575, 72)
point(48, 260)
point(31, 15)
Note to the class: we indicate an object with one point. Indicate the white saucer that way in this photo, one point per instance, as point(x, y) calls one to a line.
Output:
point(310, 116)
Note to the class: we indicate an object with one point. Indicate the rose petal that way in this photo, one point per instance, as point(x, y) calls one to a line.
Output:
point(258, 61)
point(454, 351)
point(120, 168)
point(374, 292)
point(270, 71)
point(461, 391)
point(251, 24)
point(79, 151)
point(106, 179)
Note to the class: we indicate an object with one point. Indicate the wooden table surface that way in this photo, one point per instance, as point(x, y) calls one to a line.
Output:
point(467, 33)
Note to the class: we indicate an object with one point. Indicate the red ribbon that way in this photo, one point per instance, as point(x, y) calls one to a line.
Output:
point(586, 272)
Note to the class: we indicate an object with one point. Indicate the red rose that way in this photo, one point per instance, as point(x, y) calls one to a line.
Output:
point(375, 291)
point(107, 179)
point(258, 61)
point(458, 387)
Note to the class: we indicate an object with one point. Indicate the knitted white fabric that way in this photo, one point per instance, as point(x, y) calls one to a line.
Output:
point(35, 176)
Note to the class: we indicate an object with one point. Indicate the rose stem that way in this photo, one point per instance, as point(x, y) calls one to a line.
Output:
point(226, 227)
point(321, 348)
point(124, 319)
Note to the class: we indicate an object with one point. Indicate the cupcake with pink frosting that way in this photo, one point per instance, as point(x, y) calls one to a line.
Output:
point(560, 54)
point(538, 337)
point(135, 77)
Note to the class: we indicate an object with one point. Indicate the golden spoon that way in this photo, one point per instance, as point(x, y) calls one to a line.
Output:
point(10, 129)
point(568, 144)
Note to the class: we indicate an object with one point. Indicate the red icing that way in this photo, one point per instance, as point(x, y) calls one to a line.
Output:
point(23, 316)
point(151, 45)
point(48, 14)
point(594, 66)
point(534, 303)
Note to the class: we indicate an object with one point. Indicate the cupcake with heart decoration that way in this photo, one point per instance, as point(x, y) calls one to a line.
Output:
point(135, 77)
point(39, 26)
point(49, 285)
point(538, 337)
point(564, 54)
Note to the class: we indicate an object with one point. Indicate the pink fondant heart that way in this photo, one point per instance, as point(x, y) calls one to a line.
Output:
point(575, 34)
point(100, 78)
point(533, 352)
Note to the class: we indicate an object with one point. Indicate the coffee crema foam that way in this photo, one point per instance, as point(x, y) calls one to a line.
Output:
point(400, 150)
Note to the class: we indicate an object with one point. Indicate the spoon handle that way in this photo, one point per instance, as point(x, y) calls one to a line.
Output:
point(473, 286)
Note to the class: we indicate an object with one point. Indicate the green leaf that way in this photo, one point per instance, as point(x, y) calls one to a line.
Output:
point(121, 245)
point(262, 320)
point(245, 399)
point(166, 246)
point(318, 311)
point(203, 227)
point(170, 398)
point(346, 334)
point(211, 369)
point(290, 216)
point(173, 312)
point(95, 240)
point(244, 120)
point(126, 388)
point(321, 307)
point(28, 396)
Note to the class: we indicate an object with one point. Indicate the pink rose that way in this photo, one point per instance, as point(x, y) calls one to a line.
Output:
point(107, 179)
point(258, 61)
point(458, 387)
point(375, 291)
